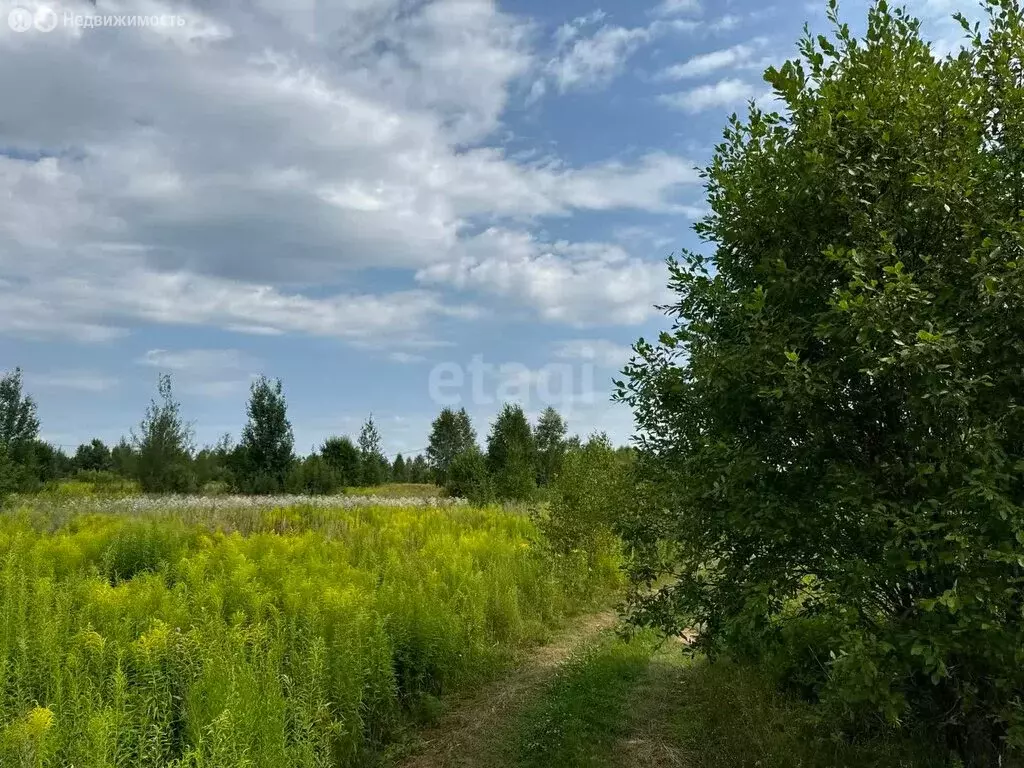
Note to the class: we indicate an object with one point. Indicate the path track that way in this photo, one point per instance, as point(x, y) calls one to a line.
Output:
point(465, 736)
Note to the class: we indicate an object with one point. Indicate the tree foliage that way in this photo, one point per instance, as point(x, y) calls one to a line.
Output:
point(451, 434)
point(93, 456)
point(19, 427)
point(19, 420)
point(512, 455)
point(163, 445)
point(399, 472)
point(374, 465)
point(468, 477)
point(832, 431)
point(550, 436)
point(342, 456)
point(267, 445)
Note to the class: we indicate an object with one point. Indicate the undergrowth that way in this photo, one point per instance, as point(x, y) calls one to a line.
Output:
point(157, 641)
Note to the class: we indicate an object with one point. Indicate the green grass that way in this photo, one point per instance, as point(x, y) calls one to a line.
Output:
point(627, 704)
point(306, 638)
point(581, 715)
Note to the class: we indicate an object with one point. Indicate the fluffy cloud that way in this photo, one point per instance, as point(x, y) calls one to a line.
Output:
point(676, 7)
point(724, 93)
point(596, 59)
point(742, 55)
point(579, 284)
point(79, 381)
point(247, 169)
point(603, 352)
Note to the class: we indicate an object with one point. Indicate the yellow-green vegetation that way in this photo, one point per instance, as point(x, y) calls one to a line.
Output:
point(399, 490)
point(301, 640)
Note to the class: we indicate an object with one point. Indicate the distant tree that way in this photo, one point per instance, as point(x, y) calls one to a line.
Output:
point(267, 445)
point(512, 455)
point(342, 456)
point(213, 464)
point(418, 470)
point(375, 466)
point(50, 463)
point(551, 445)
point(163, 445)
point(19, 421)
point(123, 458)
point(19, 427)
point(399, 474)
point(450, 434)
point(467, 476)
point(93, 457)
point(313, 475)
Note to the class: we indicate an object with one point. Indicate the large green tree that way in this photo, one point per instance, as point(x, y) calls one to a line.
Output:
point(450, 434)
point(163, 445)
point(832, 431)
point(19, 421)
point(267, 448)
point(19, 428)
point(512, 455)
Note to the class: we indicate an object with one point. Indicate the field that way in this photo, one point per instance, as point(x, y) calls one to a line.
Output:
point(187, 632)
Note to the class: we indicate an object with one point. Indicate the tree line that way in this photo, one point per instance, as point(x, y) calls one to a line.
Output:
point(160, 454)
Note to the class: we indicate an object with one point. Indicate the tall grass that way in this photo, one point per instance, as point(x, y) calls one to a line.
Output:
point(300, 637)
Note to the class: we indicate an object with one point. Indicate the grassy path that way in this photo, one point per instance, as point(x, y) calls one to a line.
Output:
point(593, 700)
point(469, 736)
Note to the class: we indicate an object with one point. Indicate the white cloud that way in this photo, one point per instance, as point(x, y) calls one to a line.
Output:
point(588, 55)
point(724, 93)
point(406, 358)
point(81, 381)
point(196, 360)
point(579, 284)
point(727, 58)
point(726, 23)
point(209, 373)
point(596, 59)
point(676, 7)
point(244, 171)
point(603, 352)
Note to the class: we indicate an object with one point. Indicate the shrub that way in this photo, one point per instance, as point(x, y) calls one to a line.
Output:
point(467, 476)
point(832, 428)
point(585, 500)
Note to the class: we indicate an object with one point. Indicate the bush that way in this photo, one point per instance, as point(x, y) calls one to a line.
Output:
point(467, 476)
point(832, 429)
point(313, 475)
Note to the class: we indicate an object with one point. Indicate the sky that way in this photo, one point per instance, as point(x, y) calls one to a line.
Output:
point(391, 205)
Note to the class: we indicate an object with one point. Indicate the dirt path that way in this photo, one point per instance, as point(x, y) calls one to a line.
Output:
point(653, 702)
point(465, 736)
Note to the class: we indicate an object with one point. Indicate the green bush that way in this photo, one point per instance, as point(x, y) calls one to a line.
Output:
point(467, 476)
point(833, 429)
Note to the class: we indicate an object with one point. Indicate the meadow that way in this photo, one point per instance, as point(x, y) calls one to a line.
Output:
point(177, 631)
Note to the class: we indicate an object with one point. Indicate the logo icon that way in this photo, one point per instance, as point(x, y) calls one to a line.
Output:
point(45, 19)
point(20, 19)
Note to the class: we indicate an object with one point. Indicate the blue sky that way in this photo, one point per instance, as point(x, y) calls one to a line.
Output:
point(370, 199)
